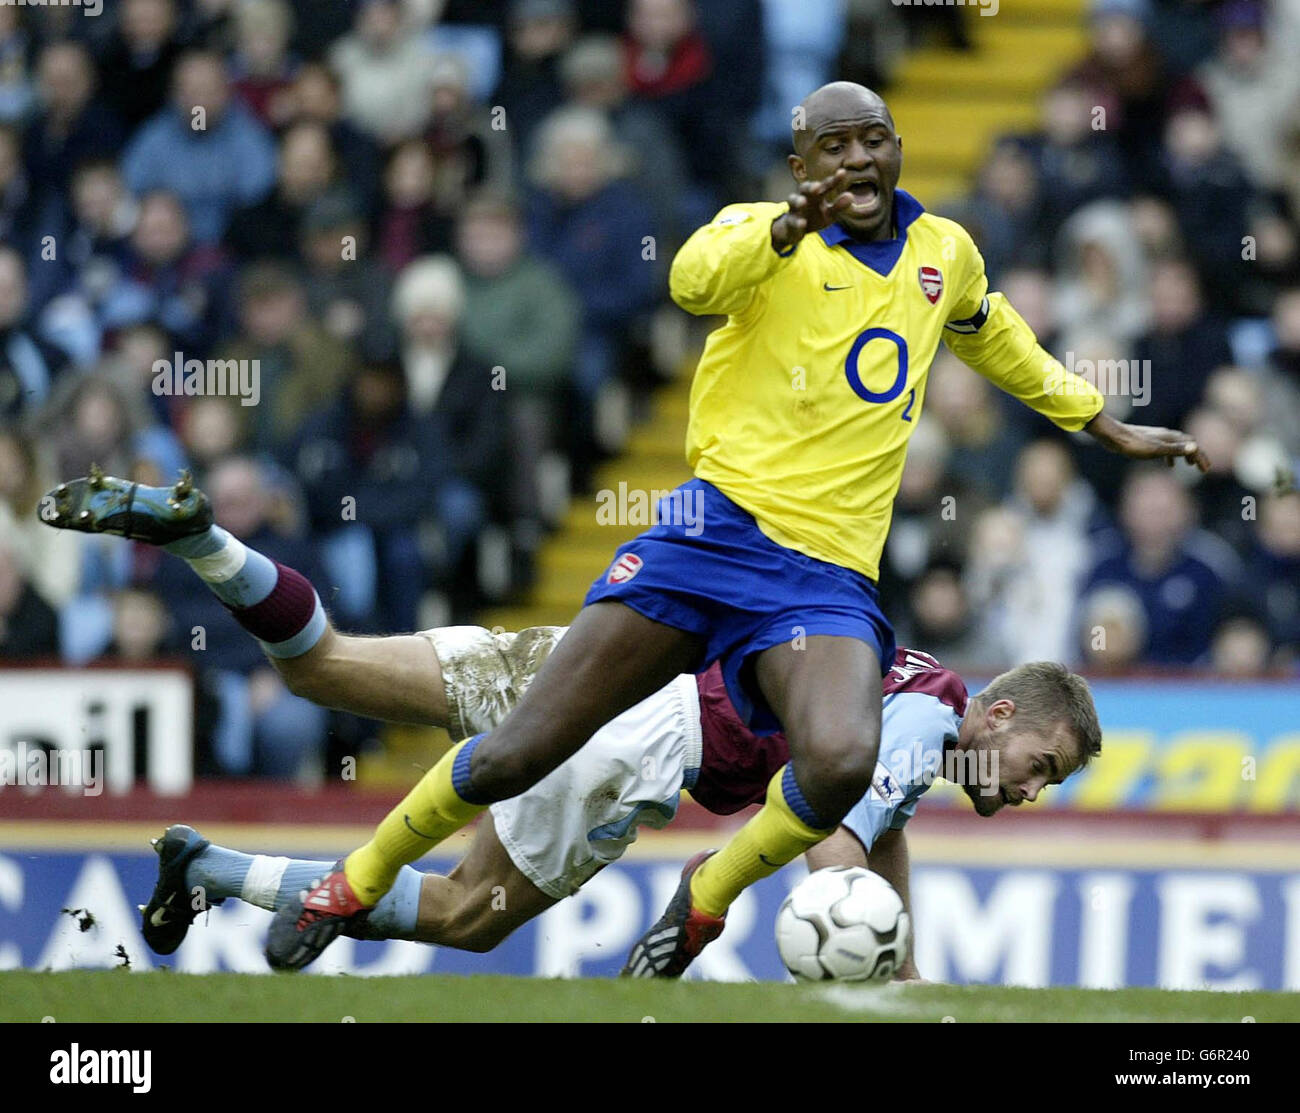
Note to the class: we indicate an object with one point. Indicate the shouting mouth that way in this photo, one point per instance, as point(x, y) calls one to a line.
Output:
point(866, 196)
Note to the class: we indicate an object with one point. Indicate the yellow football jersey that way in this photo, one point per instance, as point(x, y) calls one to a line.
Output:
point(803, 402)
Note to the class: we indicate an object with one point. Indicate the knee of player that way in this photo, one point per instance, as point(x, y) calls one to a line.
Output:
point(844, 759)
point(504, 771)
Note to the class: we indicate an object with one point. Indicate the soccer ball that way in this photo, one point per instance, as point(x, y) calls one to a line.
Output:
point(843, 922)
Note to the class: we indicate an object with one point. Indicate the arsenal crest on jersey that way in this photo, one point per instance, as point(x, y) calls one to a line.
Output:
point(931, 279)
point(623, 569)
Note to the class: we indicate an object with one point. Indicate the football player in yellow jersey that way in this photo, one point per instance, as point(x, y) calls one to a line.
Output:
point(802, 406)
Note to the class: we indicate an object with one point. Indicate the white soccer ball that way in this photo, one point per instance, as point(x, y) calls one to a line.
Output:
point(843, 922)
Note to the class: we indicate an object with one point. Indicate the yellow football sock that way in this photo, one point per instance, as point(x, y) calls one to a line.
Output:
point(430, 812)
point(767, 842)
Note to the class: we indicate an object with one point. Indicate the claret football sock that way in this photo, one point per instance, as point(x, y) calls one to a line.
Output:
point(784, 828)
point(275, 604)
point(441, 803)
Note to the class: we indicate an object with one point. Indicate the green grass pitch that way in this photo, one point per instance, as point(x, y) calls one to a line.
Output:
point(119, 995)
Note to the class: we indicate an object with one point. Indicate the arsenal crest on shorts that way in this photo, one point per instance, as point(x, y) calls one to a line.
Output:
point(931, 279)
point(623, 569)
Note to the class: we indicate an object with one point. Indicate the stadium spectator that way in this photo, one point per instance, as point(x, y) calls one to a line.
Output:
point(16, 92)
point(411, 221)
point(1076, 162)
point(132, 363)
point(538, 32)
point(402, 474)
point(942, 617)
point(519, 312)
point(97, 241)
point(1210, 196)
point(301, 367)
point(1184, 344)
point(1112, 630)
point(1128, 80)
point(981, 445)
point(261, 729)
point(671, 65)
point(26, 212)
point(1282, 386)
point(142, 629)
point(347, 290)
point(468, 149)
point(212, 430)
point(1274, 568)
point(72, 126)
point(519, 315)
point(802, 41)
point(443, 381)
point(931, 512)
point(204, 147)
point(315, 97)
point(50, 563)
point(263, 69)
point(593, 226)
point(1241, 648)
point(1104, 284)
point(1004, 214)
point(169, 280)
point(1182, 576)
point(384, 73)
point(1219, 494)
point(28, 625)
point(91, 421)
point(135, 72)
point(1028, 558)
point(594, 77)
point(29, 366)
point(1253, 87)
point(307, 169)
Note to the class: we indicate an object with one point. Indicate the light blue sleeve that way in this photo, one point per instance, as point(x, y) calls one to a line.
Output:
point(914, 729)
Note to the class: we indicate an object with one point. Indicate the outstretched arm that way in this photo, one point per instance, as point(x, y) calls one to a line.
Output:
point(998, 344)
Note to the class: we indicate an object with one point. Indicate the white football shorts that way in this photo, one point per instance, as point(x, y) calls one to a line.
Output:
point(584, 814)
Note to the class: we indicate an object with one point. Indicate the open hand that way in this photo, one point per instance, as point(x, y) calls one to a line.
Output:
point(813, 206)
point(1146, 442)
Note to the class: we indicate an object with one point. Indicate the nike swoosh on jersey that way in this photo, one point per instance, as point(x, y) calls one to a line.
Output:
point(828, 286)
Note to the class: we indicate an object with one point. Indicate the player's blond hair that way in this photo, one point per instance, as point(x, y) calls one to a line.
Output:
point(1046, 693)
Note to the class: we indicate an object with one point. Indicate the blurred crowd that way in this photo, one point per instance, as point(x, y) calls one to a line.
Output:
point(441, 229)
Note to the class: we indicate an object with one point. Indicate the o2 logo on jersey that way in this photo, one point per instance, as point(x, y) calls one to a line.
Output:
point(931, 280)
point(623, 569)
point(854, 376)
